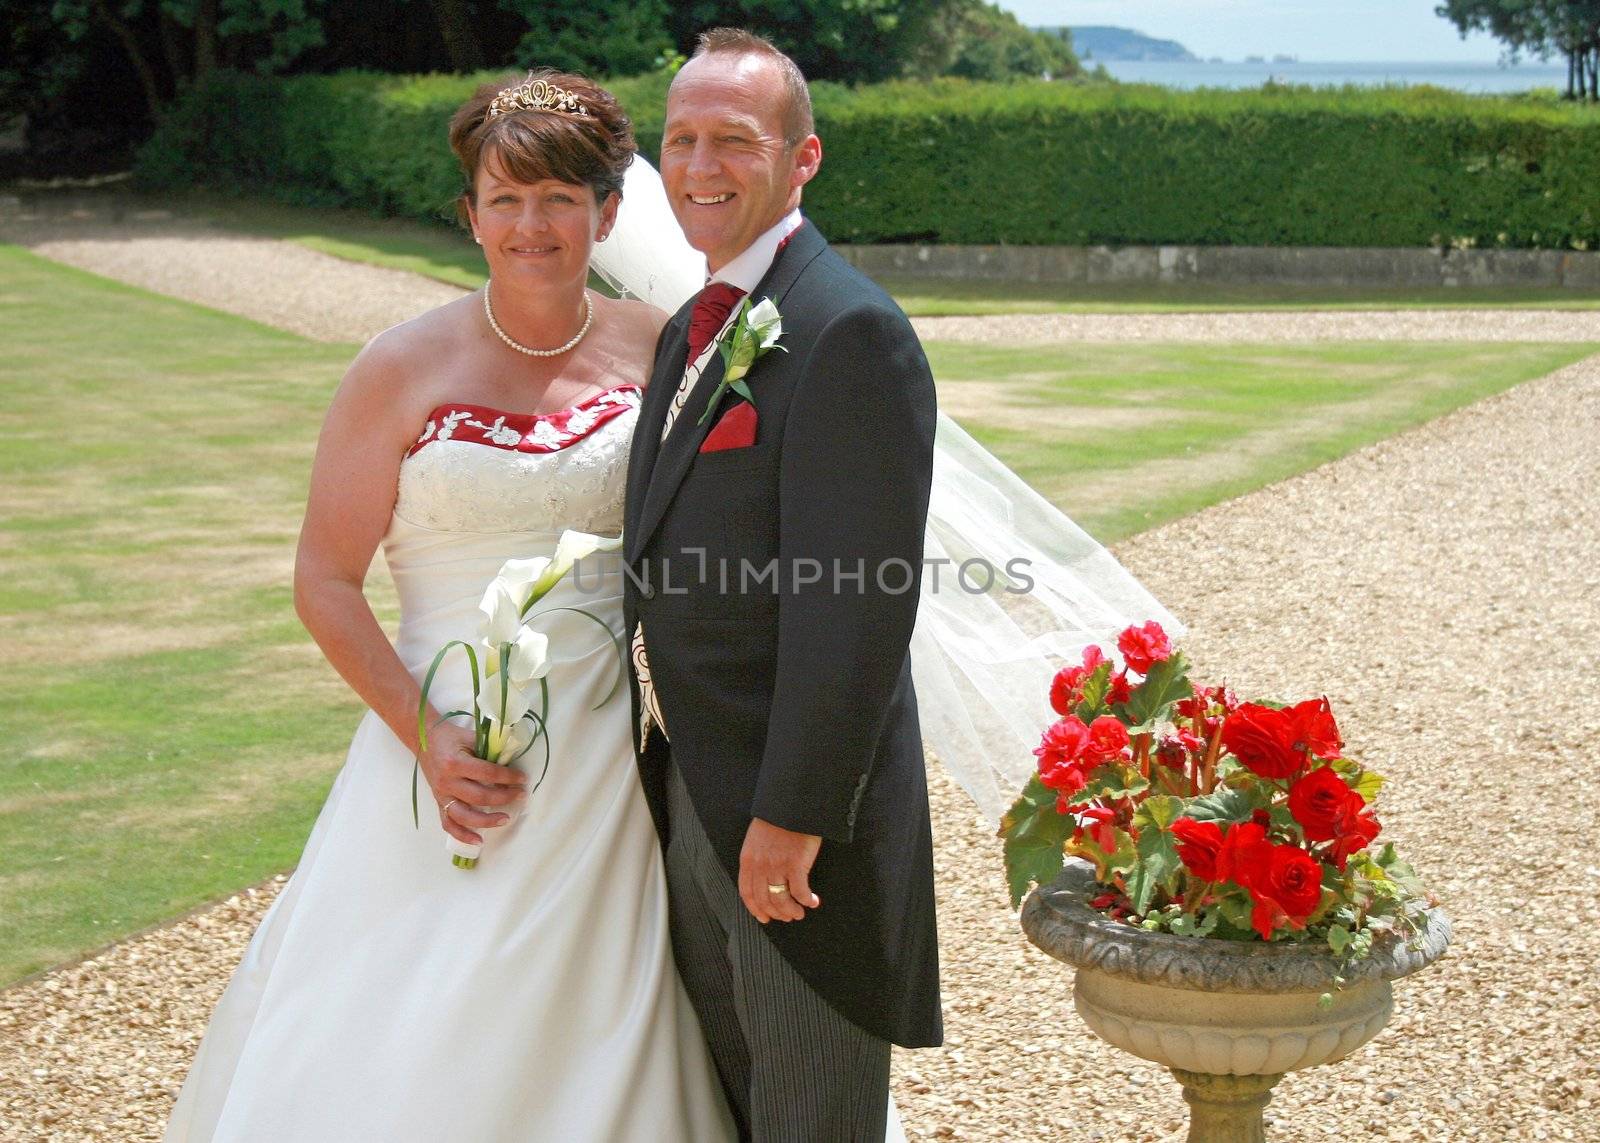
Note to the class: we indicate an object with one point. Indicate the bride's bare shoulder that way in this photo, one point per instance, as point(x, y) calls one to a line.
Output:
point(639, 318)
point(636, 327)
point(399, 366)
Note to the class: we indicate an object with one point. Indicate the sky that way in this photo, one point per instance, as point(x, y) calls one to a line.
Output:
point(1346, 31)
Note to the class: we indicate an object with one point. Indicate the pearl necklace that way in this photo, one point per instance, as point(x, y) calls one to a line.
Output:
point(588, 320)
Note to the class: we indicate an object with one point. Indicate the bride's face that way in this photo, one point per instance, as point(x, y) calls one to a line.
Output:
point(538, 233)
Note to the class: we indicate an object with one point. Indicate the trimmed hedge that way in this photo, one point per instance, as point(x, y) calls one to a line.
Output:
point(1026, 163)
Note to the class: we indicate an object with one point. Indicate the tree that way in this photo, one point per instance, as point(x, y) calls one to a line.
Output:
point(603, 37)
point(458, 29)
point(993, 44)
point(853, 41)
point(863, 41)
point(1542, 28)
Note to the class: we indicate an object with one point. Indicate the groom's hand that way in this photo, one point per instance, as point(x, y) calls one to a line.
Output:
point(771, 856)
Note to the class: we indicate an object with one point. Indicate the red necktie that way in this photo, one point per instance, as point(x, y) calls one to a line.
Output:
point(711, 310)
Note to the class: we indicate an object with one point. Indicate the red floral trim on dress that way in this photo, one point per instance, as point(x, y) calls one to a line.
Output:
point(526, 432)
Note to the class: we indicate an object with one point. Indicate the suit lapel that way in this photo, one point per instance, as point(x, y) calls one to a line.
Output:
point(664, 378)
point(676, 454)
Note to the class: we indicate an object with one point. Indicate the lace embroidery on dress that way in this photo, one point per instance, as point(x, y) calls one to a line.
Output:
point(565, 470)
point(526, 432)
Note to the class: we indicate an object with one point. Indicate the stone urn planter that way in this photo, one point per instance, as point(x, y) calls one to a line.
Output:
point(1229, 1018)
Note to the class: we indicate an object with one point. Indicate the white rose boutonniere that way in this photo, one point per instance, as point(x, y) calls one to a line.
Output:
point(756, 330)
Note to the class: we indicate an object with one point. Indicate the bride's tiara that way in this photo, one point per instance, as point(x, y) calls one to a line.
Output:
point(536, 95)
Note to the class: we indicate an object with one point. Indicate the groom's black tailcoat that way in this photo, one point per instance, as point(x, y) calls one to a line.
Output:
point(793, 703)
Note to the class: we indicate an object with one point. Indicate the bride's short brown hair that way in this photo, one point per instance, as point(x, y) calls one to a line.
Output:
point(593, 148)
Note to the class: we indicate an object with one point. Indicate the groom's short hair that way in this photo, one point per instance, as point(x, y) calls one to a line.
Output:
point(797, 120)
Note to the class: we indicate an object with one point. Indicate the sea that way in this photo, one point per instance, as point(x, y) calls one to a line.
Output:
point(1479, 78)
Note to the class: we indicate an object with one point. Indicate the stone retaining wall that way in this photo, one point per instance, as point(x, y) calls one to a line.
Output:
point(1312, 266)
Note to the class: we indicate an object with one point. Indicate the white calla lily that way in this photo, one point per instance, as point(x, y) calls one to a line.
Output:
point(502, 702)
point(522, 578)
point(530, 657)
point(574, 546)
point(518, 737)
point(502, 618)
point(766, 323)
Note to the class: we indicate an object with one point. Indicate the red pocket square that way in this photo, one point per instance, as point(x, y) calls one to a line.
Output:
point(735, 429)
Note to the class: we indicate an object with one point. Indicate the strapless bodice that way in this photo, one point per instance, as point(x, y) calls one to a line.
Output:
point(481, 487)
point(476, 469)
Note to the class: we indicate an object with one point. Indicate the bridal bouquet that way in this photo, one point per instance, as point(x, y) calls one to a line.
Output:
point(508, 659)
point(1203, 815)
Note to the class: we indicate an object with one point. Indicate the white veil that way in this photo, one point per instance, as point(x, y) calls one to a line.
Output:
point(1011, 586)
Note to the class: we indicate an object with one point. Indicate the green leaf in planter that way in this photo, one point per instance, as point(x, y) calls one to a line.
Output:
point(1338, 940)
point(1283, 820)
point(1367, 783)
point(1401, 874)
point(1167, 682)
point(1235, 907)
point(1035, 856)
point(1034, 797)
point(1159, 865)
point(1159, 811)
point(1188, 925)
point(1221, 806)
point(1111, 781)
point(1094, 693)
point(1121, 859)
point(1035, 839)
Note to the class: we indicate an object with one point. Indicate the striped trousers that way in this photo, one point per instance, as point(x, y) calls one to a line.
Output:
point(795, 1071)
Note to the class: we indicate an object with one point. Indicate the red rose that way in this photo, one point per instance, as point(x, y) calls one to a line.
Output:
point(1107, 738)
point(1314, 729)
point(1245, 852)
point(1121, 690)
point(1066, 689)
point(1100, 824)
point(1171, 754)
point(1359, 830)
point(1060, 754)
point(1289, 887)
point(1142, 646)
point(1199, 846)
point(1263, 739)
point(1324, 804)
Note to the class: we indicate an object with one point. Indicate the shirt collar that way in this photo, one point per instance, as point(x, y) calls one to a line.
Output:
point(747, 270)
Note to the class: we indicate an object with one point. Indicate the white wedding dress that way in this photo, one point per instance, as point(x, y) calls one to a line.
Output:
point(391, 997)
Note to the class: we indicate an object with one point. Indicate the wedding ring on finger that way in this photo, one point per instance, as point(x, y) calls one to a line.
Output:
point(777, 890)
point(445, 811)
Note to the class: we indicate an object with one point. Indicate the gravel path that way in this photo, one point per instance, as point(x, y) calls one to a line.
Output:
point(276, 282)
point(330, 299)
point(1440, 587)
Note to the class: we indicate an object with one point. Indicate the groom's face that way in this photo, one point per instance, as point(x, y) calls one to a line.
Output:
point(728, 170)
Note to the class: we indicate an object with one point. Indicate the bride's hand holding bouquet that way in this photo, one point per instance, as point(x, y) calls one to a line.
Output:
point(471, 794)
point(472, 766)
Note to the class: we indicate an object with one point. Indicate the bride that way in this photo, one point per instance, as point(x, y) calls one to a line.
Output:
point(389, 995)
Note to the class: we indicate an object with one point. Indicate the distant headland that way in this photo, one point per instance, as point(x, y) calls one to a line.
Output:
point(1102, 43)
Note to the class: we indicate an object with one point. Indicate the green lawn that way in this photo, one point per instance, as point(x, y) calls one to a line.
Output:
point(448, 254)
point(171, 731)
point(1125, 437)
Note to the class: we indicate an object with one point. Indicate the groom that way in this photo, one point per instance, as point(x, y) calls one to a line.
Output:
point(774, 547)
